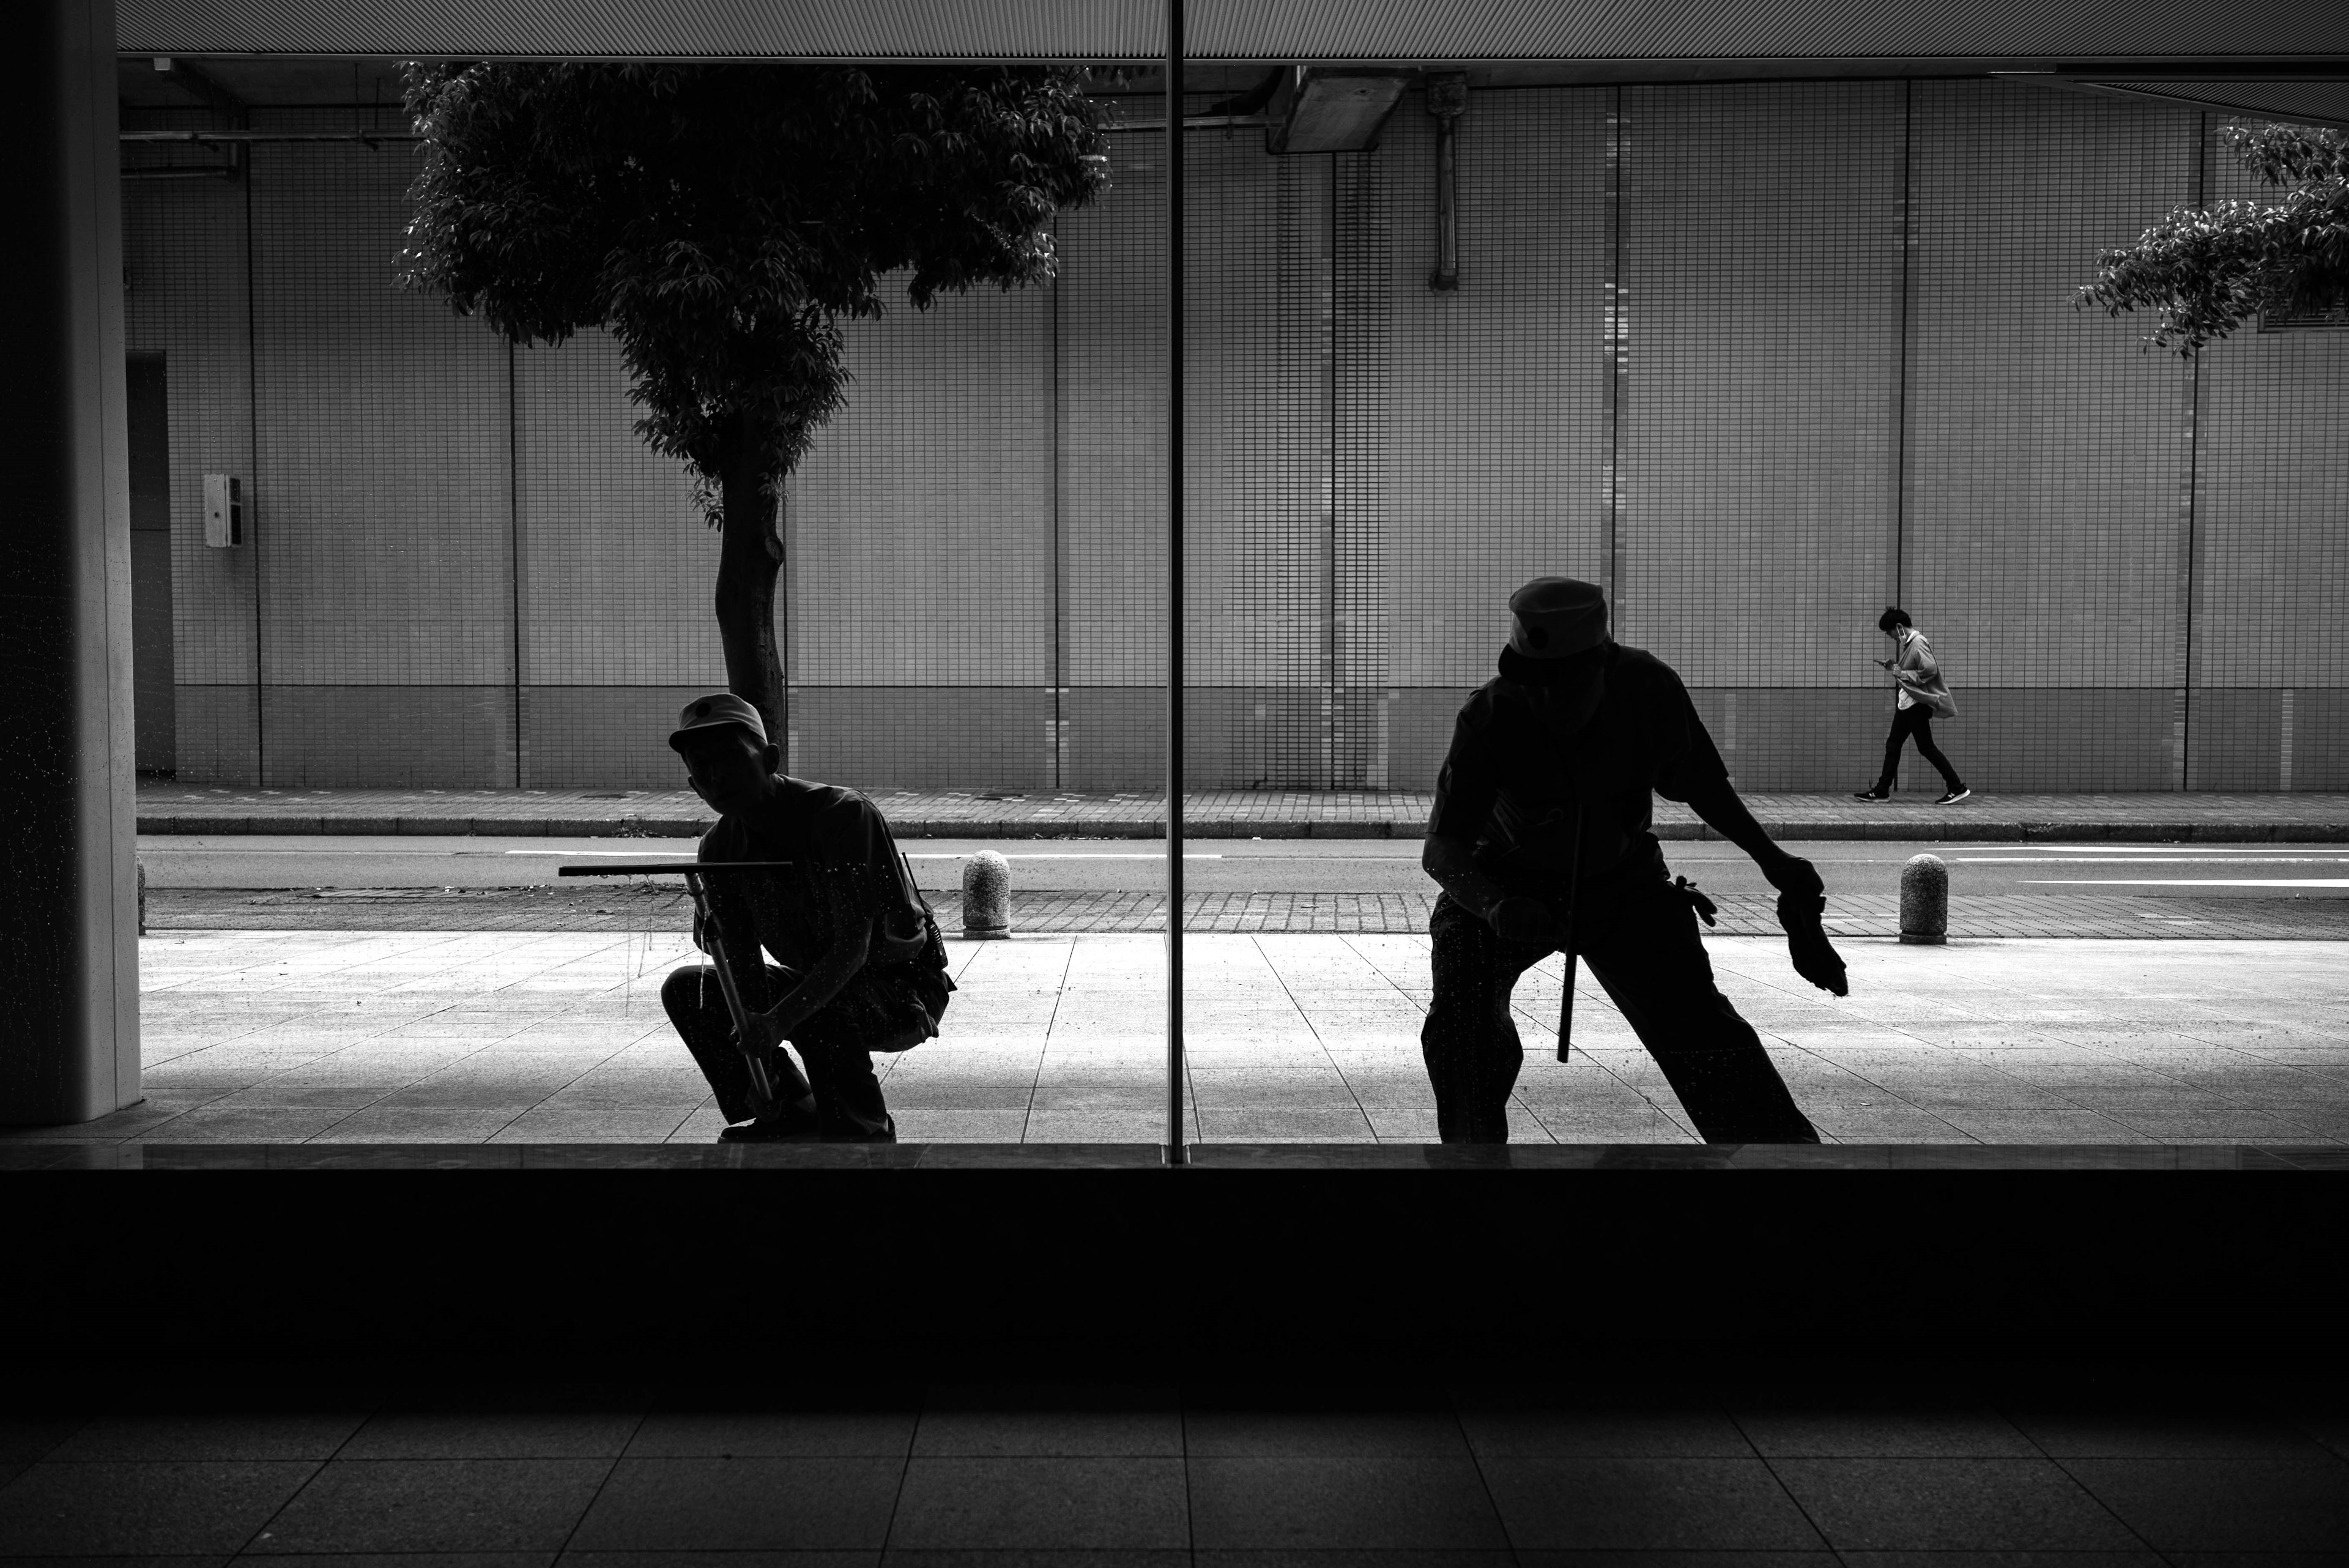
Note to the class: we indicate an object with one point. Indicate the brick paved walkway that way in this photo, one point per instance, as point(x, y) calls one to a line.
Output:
point(1227, 814)
point(663, 910)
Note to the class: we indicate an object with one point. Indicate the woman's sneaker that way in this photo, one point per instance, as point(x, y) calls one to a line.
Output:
point(1872, 794)
point(1955, 796)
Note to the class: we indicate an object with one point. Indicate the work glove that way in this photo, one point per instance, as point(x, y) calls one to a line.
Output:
point(1526, 920)
point(1802, 910)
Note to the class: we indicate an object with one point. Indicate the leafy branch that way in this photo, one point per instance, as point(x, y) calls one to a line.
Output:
point(2207, 270)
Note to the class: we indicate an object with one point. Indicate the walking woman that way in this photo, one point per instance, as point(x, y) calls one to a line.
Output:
point(1923, 694)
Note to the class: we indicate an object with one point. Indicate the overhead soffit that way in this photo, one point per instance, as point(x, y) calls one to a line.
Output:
point(2308, 102)
point(2108, 31)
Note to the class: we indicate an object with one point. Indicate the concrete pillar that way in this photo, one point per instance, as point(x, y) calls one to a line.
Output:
point(986, 895)
point(1925, 900)
point(68, 931)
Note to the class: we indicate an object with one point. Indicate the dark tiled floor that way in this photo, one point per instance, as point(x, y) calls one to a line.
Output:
point(437, 1505)
point(1475, 1476)
point(1950, 1505)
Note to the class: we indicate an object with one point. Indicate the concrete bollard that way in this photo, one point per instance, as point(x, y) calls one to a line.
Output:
point(142, 897)
point(986, 895)
point(1925, 900)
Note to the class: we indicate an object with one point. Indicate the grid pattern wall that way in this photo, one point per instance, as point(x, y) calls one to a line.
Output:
point(616, 567)
point(471, 572)
point(925, 510)
point(1258, 488)
point(1760, 286)
point(1362, 340)
point(1110, 324)
point(383, 504)
point(617, 564)
point(2271, 547)
point(1482, 421)
point(185, 298)
point(381, 736)
point(1477, 421)
point(2047, 469)
point(920, 534)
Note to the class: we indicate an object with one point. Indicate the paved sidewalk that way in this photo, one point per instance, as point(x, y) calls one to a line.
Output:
point(538, 1039)
point(664, 908)
point(174, 808)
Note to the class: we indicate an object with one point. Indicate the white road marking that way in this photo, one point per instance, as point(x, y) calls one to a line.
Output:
point(2247, 849)
point(145, 850)
point(2154, 860)
point(2188, 882)
point(929, 855)
point(581, 853)
point(965, 854)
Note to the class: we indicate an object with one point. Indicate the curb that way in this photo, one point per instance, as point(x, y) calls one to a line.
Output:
point(1919, 829)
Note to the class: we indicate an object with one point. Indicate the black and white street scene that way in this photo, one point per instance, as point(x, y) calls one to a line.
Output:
point(809, 594)
point(1798, 378)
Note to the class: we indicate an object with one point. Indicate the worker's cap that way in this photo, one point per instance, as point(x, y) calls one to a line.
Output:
point(1557, 616)
point(719, 711)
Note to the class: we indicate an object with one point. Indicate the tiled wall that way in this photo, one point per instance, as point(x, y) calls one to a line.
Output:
point(383, 490)
point(1479, 420)
point(185, 297)
point(1757, 357)
point(1109, 332)
point(2047, 480)
point(2270, 473)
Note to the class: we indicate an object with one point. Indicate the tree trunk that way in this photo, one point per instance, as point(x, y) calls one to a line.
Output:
point(750, 557)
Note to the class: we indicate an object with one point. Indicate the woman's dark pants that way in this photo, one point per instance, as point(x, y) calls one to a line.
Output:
point(1640, 944)
point(1916, 720)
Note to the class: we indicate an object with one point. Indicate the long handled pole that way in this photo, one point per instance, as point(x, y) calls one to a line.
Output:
point(762, 1088)
point(1573, 889)
point(764, 1096)
point(1176, 1151)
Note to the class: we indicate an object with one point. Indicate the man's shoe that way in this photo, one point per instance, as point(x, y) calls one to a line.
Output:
point(1955, 797)
point(886, 1133)
point(786, 1126)
point(1872, 794)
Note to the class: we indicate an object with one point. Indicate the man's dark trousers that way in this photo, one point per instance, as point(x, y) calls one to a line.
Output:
point(1640, 941)
point(839, 1068)
point(1915, 720)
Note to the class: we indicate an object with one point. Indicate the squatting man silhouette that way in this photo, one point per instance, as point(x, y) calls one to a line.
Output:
point(1577, 730)
point(858, 967)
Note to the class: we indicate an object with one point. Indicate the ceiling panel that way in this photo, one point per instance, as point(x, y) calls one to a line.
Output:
point(2104, 31)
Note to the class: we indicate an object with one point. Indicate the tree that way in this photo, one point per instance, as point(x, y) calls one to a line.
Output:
point(2208, 270)
point(719, 220)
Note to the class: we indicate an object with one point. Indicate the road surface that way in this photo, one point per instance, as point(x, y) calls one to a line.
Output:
point(1367, 866)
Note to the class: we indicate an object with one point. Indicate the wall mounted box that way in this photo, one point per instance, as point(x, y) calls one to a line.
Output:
point(223, 511)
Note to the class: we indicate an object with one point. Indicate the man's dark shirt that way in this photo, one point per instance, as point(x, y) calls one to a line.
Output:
point(844, 869)
point(1517, 769)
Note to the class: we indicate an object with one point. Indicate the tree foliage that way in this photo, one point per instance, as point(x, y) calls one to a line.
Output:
point(720, 219)
point(2206, 270)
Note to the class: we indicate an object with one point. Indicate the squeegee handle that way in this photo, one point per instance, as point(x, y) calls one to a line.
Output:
point(1573, 887)
point(762, 1088)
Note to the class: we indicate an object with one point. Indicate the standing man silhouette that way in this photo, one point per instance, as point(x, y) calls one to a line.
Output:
point(1921, 695)
point(1576, 729)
